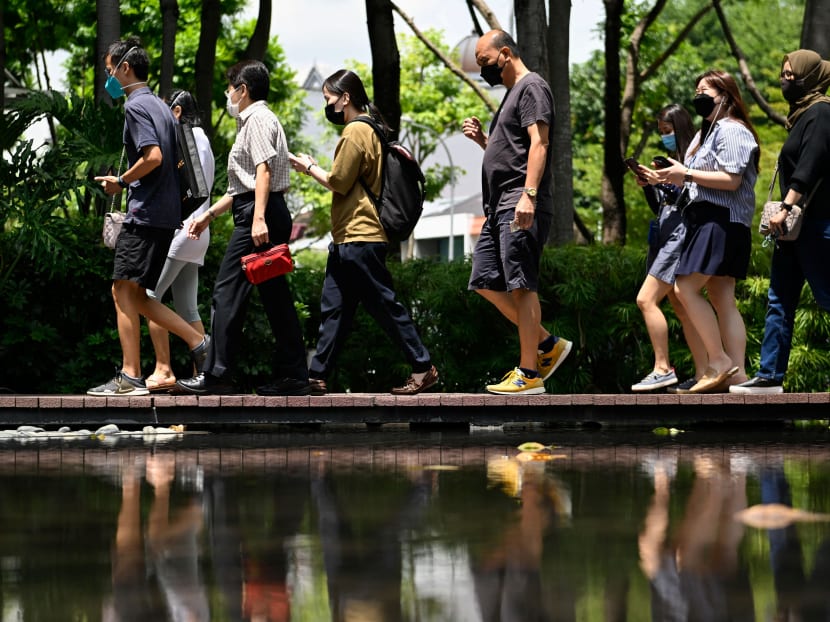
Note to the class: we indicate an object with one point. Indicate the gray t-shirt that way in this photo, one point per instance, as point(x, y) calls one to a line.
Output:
point(154, 200)
point(504, 167)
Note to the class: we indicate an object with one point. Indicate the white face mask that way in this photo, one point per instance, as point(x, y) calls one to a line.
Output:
point(233, 109)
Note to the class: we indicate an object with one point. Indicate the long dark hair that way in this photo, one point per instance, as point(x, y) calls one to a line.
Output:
point(345, 81)
point(684, 130)
point(733, 106)
point(190, 111)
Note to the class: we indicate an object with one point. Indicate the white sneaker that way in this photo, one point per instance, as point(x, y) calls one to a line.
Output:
point(656, 380)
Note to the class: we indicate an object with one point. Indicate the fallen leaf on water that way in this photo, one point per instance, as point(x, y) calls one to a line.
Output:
point(776, 516)
point(663, 431)
point(532, 446)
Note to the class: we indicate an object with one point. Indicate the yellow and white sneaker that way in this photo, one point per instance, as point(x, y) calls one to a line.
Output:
point(549, 362)
point(515, 382)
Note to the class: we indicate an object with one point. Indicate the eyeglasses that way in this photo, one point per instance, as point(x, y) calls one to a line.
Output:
point(787, 75)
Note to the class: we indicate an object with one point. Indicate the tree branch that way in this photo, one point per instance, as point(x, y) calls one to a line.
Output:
point(448, 62)
point(474, 18)
point(652, 69)
point(486, 13)
point(744, 68)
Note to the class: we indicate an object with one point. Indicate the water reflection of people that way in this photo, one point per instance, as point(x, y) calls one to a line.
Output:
point(156, 579)
point(698, 576)
point(800, 597)
point(508, 573)
point(250, 523)
point(362, 519)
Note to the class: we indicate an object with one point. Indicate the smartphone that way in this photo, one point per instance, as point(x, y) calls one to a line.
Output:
point(633, 165)
point(661, 162)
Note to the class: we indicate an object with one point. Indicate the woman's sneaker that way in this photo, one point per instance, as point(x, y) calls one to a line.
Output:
point(757, 385)
point(655, 380)
point(122, 384)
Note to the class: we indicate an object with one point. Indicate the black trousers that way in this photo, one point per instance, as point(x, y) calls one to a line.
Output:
point(356, 272)
point(232, 289)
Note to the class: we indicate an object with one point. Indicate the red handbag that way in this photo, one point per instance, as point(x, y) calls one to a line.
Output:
point(267, 264)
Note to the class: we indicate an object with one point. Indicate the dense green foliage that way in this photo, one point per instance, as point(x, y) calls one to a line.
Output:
point(57, 329)
point(57, 323)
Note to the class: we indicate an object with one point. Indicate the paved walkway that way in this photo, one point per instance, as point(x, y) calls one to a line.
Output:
point(432, 408)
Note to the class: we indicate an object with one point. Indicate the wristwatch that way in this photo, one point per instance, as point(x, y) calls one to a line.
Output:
point(531, 192)
point(688, 176)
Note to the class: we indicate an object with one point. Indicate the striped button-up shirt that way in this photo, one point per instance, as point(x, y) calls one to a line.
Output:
point(260, 138)
point(729, 147)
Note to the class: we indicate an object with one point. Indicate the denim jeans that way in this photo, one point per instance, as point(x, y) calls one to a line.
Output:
point(792, 263)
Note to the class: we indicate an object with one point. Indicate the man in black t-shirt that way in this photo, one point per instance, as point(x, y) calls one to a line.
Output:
point(518, 204)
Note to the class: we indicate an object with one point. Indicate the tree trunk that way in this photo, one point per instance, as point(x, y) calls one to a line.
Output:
point(2, 62)
point(109, 30)
point(169, 21)
point(258, 44)
point(206, 60)
point(532, 35)
point(815, 31)
point(386, 62)
point(611, 193)
point(562, 228)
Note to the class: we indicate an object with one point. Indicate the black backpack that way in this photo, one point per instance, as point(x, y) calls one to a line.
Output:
point(192, 184)
point(402, 187)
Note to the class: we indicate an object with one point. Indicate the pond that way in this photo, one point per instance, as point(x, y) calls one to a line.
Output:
point(385, 525)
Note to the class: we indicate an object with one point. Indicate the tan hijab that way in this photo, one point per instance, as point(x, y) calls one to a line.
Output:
point(814, 73)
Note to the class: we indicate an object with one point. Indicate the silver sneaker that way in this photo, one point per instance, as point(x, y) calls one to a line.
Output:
point(122, 384)
point(655, 380)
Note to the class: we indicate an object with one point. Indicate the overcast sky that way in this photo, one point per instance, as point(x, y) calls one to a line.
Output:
point(329, 32)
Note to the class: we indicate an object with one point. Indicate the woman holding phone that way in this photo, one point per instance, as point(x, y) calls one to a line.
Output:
point(676, 132)
point(719, 174)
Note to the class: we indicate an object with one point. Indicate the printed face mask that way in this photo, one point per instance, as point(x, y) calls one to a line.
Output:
point(491, 74)
point(337, 118)
point(669, 141)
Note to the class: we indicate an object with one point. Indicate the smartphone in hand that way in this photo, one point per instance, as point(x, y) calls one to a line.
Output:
point(632, 164)
point(661, 162)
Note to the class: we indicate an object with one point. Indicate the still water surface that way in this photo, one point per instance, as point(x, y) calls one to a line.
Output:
point(362, 526)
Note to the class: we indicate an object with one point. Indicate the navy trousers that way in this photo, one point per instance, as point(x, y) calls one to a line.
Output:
point(356, 273)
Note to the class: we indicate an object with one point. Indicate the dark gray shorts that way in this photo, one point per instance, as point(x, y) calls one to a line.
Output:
point(504, 260)
point(140, 253)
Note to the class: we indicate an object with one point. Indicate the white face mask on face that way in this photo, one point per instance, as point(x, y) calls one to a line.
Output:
point(233, 109)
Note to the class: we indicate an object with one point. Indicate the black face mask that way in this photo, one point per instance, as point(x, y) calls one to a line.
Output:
point(793, 90)
point(337, 118)
point(491, 74)
point(704, 104)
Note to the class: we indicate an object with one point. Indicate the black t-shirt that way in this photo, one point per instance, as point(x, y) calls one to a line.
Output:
point(504, 167)
point(804, 160)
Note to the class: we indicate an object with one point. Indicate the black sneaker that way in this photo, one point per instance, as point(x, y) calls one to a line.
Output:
point(285, 386)
point(682, 387)
point(200, 353)
point(758, 386)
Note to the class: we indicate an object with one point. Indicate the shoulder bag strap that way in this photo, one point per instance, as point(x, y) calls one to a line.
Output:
point(117, 194)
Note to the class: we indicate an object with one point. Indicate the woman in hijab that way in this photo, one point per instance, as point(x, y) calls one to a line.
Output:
point(803, 169)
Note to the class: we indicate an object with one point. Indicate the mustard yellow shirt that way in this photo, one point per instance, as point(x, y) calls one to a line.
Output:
point(353, 215)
